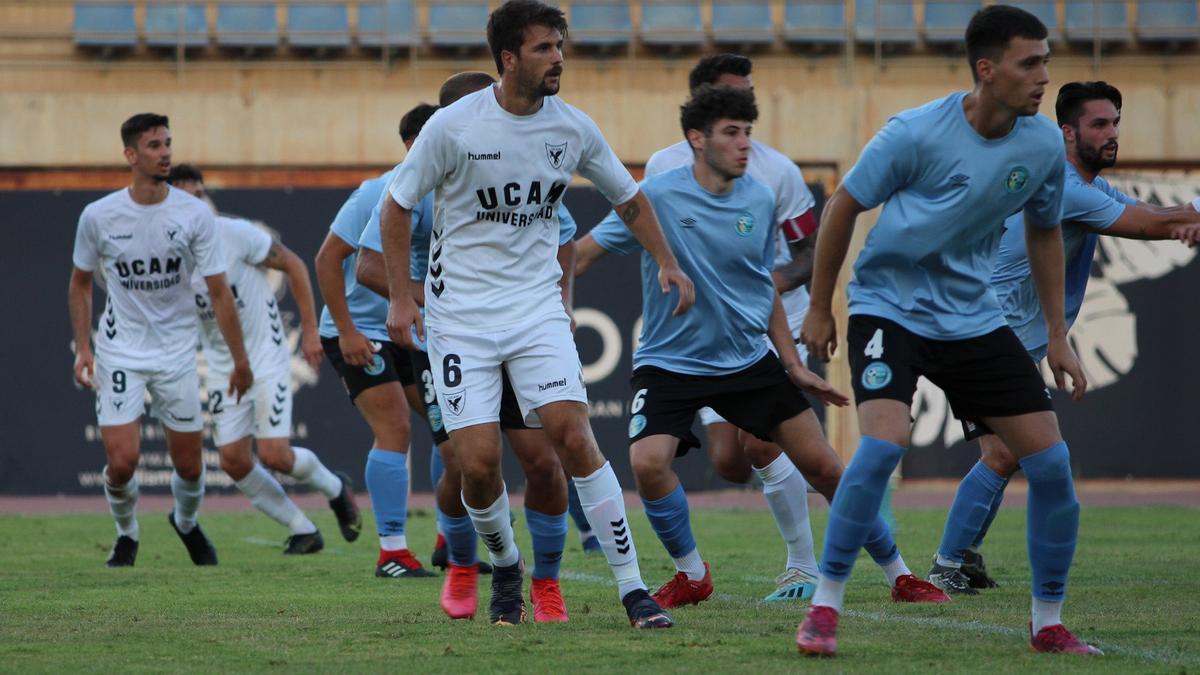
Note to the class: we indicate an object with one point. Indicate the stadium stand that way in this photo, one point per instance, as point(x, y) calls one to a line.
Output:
point(1088, 20)
point(318, 26)
point(946, 20)
point(824, 23)
point(671, 23)
point(1167, 21)
point(743, 23)
point(168, 26)
point(600, 23)
point(886, 21)
point(247, 25)
point(457, 24)
point(105, 25)
point(391, 23)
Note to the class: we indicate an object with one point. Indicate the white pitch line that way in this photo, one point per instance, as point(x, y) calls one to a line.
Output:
point(966, 626)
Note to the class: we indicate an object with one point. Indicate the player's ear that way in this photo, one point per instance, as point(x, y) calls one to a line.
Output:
point(984, 68)
point(695, 138)
point(130, 155)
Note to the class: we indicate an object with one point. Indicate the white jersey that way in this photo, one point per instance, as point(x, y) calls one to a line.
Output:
point(245, 246)
point(793, 200)
point(498, 181)
point(146, 256)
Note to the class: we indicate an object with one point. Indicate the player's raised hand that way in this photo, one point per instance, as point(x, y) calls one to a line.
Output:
point(356, 349)
point(819, 333)
point(1188, 234)
point(240, 380)
point(85, 367)
point(812, 383)
point(1062, 361)
point(403, 318)
point(673, 276)
point(310, 347)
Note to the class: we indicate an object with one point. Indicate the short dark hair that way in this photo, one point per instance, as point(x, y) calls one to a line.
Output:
point(1072, 95)
point(992, 28)
point(711, 103)
point(414, 120)
point(710, 68)
point(460, 84)
point(184, 173)
point(135, 126)
point(506, 26)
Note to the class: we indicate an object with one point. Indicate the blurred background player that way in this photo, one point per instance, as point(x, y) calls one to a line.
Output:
point(146, 241)
point(525, 145)
point(376, 372)
point(921, 304)
point(730, 451)
point(545, 488)
point(1089, 114)
point(264, 415)
point(717, 354)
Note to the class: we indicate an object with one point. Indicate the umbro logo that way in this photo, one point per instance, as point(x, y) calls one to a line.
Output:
point(959, 180)
point(119, 237)
point(488, 156)
point(687, 222)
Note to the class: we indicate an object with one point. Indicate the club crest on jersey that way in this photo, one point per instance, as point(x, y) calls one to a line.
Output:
point(455, 402)
point(637, 424)
point(555, 152)
point(376, 366)
point(876, 376)
point(1018, 176)
point(744, 224)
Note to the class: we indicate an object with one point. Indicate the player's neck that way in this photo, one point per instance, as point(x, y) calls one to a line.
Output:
point(710, 179)
point(514, 101)
point(1088, 175)
point(147, 191)
point(987, 116)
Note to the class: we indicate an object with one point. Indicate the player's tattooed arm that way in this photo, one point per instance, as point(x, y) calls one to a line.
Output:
point(819, 333)
point(641, 221)
point(798, 272)
point(79, 304)
point(280, 257)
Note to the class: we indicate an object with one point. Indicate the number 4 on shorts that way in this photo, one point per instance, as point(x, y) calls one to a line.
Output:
point(875, 345)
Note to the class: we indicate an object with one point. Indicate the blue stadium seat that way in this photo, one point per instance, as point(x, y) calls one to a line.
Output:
point(742, 22)
point(314, 26)
point(1096, 19)
point(887, 21)
point(666, 22)
point(815, 21)
point(946, 20)
point(600, 22)
point(170, 25)
point(108, 24)
point(1044, 10)
point(458, 24)
point(1167, 21)
point(391, 23)
point(247, 25)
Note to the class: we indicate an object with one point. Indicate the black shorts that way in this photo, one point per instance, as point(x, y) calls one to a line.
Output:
point(433, 410)
point(391, 364)
point(756, 399)
point(986, 376)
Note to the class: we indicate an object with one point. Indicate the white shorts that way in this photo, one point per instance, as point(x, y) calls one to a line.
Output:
point(264, 412)
point(174, 396)
point(540, 358)
point(709, 416)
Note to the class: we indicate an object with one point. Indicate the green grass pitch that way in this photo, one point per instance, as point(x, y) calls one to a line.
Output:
point(1134, 591)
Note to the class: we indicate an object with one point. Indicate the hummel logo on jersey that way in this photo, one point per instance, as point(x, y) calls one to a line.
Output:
point(177, 418)
point(553, 385)
point(118, 404)
point(118, 237)
point(171, 234)
point(483, 156)
point(959, 180)
point(687, 222)
point(555, 153)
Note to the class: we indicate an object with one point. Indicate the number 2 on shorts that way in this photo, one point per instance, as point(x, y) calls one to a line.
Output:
point(875, 345)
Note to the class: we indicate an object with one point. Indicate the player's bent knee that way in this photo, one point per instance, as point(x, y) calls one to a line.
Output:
point(276, 454)
point(733, 470)
point(120, 472)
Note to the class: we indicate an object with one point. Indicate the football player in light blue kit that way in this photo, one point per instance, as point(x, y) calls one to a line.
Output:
point(1089, 114)
point(721, 223)
point(947, 174)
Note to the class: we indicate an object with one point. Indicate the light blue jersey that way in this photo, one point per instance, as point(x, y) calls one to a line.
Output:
point(726, 244)
point(368, 309)
point(1087, 207)
point(946, 192)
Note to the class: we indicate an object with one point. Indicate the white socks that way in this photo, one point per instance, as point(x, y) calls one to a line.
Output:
point(604, 505)
point(393, 542)
point(268, 496)
point(786, 493)
point(691, 564)
point(122, 504)
point(495, 529)
point(948, 563)
point(1046, 614)
point(895, 569)
point(309, 470)
point(188, 495)
point(829, 593)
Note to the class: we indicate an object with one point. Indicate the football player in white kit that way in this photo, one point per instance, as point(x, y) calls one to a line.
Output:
point(499, 161)
point(265, 413)
point(146, 241)
point(734, 453)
